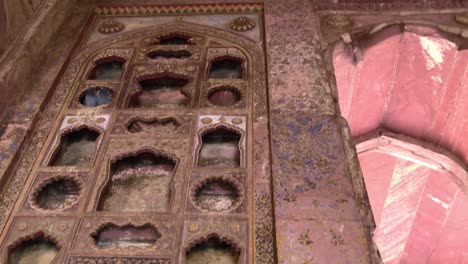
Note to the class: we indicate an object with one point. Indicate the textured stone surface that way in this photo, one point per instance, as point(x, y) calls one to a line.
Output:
point(310, 165)
point(25, 105)
point(315, 203)
point(368, 5)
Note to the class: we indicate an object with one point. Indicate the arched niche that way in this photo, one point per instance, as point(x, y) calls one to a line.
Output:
point(224, 96)
point(169, 54)
point(153, 125)
point(217, 194)
point(57, 193)
point(112, 235)
point(220, 146)
point(213, 250)
point(139, 182)
point(96, 96)
point(161, 90)
point(76, 147)
point(175, 38)
point(37, 249)
point(109, 68)
point(226, 67)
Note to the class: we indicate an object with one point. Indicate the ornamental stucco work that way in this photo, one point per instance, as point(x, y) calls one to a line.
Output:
point(174, 132)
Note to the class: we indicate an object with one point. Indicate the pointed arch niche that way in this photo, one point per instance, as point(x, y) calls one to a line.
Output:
point(220, 145)
point(226, 67)
point(76, 146)
point(107, 68)
point(139, 182)
point(164, 89)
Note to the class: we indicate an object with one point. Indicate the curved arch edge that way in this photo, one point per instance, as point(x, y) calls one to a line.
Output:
point(411, 149)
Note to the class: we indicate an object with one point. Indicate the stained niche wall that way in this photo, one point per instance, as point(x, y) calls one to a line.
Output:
point(150, 155)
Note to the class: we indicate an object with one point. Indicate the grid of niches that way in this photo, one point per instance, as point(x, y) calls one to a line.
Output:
point(118, 137)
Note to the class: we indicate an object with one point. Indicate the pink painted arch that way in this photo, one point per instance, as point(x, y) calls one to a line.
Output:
point(403, 88)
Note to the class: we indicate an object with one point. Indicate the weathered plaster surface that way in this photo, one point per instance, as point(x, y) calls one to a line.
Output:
point(215, 21)
point(25, 108)
point(15, 15)
point(318, 217)
point(408, 78)
point(384, 5)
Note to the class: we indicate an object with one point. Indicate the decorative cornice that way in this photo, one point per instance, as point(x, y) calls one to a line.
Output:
point(189, 9)
point(381, 5)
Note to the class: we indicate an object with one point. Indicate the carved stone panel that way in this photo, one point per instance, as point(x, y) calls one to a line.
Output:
point(152, 123)
point(218, 155)
point(217, 193)
point(223, 204)
point(71, 124)
point(89, 228)
point(56, 192)
point(224, 95)
point(121, 54)
point(96, 94)
point(120, 148)
point(57, 231)
point(231, 232)
point(169, 54)
point(182, 76)
point(116, 260)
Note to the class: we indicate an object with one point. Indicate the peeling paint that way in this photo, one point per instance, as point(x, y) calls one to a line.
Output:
point(434, 51)
point(438, 201)
point(436, 78)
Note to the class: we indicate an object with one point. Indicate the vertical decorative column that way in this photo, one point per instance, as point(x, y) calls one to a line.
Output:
point(321, 207)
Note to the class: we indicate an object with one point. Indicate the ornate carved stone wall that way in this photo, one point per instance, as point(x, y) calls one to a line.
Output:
point(249, 229)
point(321, 211)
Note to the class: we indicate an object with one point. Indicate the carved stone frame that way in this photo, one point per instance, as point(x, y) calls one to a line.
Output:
point(234, 128)
point(115, 89)
point(118, 149)
point(148, 71)
point(122, 54)
point(220, 53)
point(124, 119)
point(40, 182)
point(64, 130)
point(209, 87)
point(163, 246)
point(197, 180)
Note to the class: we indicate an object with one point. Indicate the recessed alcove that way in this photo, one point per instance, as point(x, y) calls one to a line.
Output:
point(96, 96)
point(175, 39)
point(226, 68)
point(161, 90)
point(111, 235)
point(224, 96)
point(107, 69)
point(169, 54)
point(57, 193)
point(216, 195)
point(38, 250)
point(163, 125)
point(212, 251)
point(139, 183)
point(220, 148)
point(76, 148)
